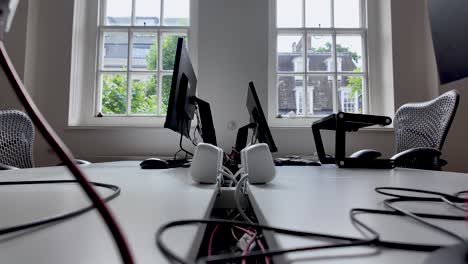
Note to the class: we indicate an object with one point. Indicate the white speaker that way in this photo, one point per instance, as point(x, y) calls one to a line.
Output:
point(258, 163)
point(207, 163)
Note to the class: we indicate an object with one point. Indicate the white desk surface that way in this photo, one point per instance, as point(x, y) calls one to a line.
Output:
point(148, 199)
point(319, 199)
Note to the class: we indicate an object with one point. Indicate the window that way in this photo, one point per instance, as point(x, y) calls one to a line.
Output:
point(136, 51)
point(320, 63)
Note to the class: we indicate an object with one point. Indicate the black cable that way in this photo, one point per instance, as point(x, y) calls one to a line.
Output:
point(373, 241)
point(349, 241)
point(61, 217)
point(387, 191)
point(182, 148)
point(63, 153)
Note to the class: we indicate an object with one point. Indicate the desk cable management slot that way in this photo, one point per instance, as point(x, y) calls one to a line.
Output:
point(370, 236)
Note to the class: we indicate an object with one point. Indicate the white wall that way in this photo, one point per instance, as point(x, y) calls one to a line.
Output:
point(232, 51)
point(15, 42)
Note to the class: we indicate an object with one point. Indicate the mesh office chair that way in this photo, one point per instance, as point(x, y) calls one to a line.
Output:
point(420, 132)
point(16, 140)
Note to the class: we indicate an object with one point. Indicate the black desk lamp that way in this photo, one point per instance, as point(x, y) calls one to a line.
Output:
point(7, 11)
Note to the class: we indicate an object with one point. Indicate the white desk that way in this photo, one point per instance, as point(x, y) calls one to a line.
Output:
point(318, 199)
point(148, 199)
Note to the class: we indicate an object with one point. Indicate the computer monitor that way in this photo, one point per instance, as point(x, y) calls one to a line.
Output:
point(258, 123)
point(447, 20)
point(183, 102)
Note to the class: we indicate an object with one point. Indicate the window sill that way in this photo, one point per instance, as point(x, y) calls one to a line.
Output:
point(119, 122)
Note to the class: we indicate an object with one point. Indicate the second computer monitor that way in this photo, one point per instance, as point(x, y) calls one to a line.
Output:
point(181, 106)
point(257, 117)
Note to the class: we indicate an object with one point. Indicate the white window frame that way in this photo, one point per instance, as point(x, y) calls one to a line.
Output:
point(273, 119)
point(85, 97)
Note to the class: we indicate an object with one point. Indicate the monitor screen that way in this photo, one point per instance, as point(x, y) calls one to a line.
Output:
point(181, 105)
point(448, 21)
point(257, 117)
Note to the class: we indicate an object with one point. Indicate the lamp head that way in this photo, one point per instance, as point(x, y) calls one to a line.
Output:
point(7, 12)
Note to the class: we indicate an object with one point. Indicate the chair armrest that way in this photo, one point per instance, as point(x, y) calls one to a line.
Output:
point(417, 153)
point(419, 158)
point(7, 167)
point(78, 162)
point(369, 154)
point(81, 162)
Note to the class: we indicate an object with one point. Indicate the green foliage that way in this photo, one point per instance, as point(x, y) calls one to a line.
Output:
point(355, 82)
point(144, 98)
point(339, 48)
point(114, 94)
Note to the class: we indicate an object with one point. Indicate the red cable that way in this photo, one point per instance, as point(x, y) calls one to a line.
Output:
point(260, 244)
point(210, 243)
point(63, 153)
point(247, 248)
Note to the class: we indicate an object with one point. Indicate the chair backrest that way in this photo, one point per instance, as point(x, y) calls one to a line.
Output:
point(16, 139)
point(425, 124)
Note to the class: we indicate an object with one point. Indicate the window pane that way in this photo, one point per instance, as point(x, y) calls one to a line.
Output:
point(319, 95)
point(291, 95)
point(349, 52)
point(176, 12)
point(289, 13)
point(145, 51)
point(169, 47)
point(347, 13)
point(350, 93)
point(318, 13)
point(118, 12)
point(320, 53)
point(144, 94)
point(290, 53)
point(114, 93)
point(115, 53)
point(147, 12)
point(166, 90)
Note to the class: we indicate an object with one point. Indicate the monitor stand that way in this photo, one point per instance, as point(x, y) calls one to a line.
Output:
point(241, 140)
point(457, 254)
point(208, 133)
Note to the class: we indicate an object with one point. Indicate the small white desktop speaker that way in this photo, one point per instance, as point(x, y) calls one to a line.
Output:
point(207, 163)
point(258, 163)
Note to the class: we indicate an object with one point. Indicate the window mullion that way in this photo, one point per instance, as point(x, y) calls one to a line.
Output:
point(162, 13)
point(365, 70)
point(335, 74)
point(304, 83)
point(158, 68)
point(98, 88)
point(332, 15)
point(303, 13)
point(129, 87)
point(133, 19)
point(160, 85)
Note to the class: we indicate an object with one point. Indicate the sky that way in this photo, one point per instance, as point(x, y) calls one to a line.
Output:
point(172, 8)
point(318, 14)
point(289, 14)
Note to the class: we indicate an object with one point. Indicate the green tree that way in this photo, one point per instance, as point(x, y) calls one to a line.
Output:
point(354, 82)
point(114, 94)
point(339, 48)
point(144, 92)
